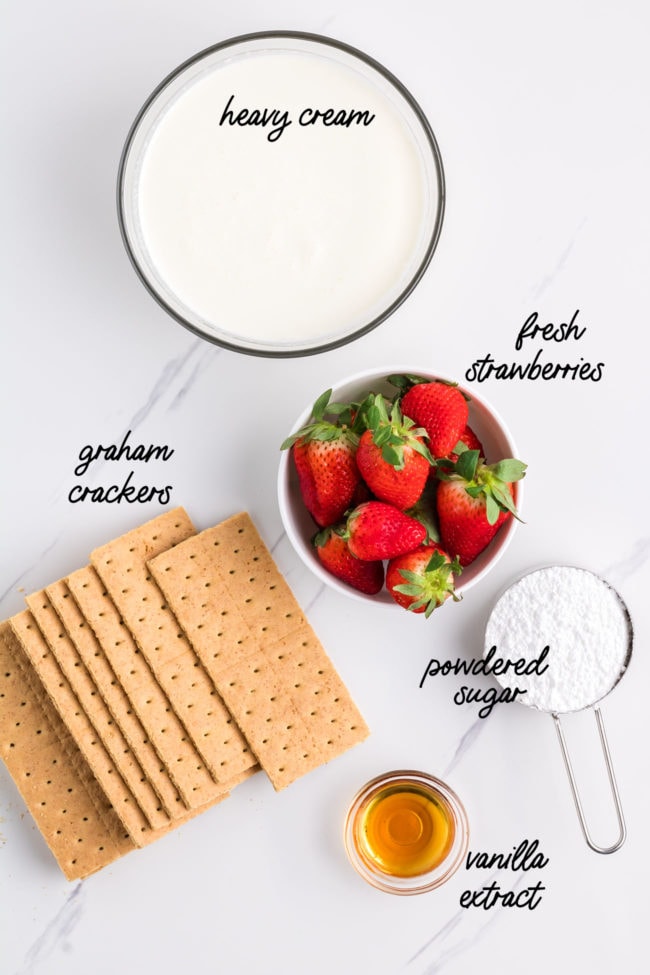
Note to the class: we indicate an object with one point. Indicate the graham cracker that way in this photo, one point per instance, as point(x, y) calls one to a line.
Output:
point(248, 629)
point(122, 566)
point(148, 700)
point(92, 654)
point(103, 724)
point(36, 650)
point(74, 817)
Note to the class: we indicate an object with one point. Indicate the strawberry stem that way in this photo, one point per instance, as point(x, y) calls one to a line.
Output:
point(323, 429)
point(431, 587)
point(489, 481)
point(394, 432)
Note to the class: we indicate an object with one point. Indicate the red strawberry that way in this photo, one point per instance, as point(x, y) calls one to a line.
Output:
point(361, 494)
point(324, 456)
point(334, 554)
point(471, 441)
point(464, 527)
point(376, 530)
point(422, 580)
point(328, 477)
point(473, 501)
point(392, 456)
point(441, 409)
point(425, 511)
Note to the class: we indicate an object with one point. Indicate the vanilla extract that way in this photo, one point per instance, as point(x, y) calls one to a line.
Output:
point(492, 896)
point(526, 856)
point(405, 829)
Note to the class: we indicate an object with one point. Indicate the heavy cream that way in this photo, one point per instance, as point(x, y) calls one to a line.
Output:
point(282, 196)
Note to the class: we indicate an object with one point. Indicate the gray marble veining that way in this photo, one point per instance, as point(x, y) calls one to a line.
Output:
point(56, 933)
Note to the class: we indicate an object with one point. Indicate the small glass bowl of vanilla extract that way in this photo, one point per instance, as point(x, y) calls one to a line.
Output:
point(406, 832)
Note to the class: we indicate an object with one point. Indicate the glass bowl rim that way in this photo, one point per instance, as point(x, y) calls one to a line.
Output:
point(424, 882)
point(301, 36)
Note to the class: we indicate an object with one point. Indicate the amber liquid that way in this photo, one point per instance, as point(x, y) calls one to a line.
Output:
point(404, 829)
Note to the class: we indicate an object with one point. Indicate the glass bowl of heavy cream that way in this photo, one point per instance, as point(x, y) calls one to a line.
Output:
point(280, 194)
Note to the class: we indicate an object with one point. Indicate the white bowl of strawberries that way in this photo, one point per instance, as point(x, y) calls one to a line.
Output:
point(400, 487)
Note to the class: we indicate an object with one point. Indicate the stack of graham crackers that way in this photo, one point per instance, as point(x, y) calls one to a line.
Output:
point(139, 690)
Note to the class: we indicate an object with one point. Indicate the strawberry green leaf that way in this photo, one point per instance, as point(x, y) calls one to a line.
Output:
point(381, 436)
point(409, 588)
point(509, 470)
point(373, 416)
point(321, 538)
point(435, 562)
point(504, 499)
point(422, 449)
point(424, 510)
point(394, 456)
point(467, 463)
point(474, 490)
point(405, 381)
point(381, 406)
point(360, 422)
point(492, 509)
point(318, 408)
point(326, 433)
point(411, 576)
point(430, 587)
point(396, 414)
point(342, 411)
point(321, 430)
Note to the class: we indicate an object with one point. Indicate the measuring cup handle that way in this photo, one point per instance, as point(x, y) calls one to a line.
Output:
point(612, 781)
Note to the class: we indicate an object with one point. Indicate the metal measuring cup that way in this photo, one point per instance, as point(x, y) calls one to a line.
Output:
point(578, 702)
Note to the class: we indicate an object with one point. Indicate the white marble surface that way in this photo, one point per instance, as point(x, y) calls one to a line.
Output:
point(540, 112)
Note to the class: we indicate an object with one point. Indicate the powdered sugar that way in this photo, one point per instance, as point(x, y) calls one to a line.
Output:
point(580, 618)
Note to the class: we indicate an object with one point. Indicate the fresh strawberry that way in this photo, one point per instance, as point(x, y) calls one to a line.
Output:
point(438, 407)
point(425, 511)
point(471, 442)
point(392, 456)
point(422, 580)
point(467, 441)
point(473, 501)
point(334, 554)
point(324, 457)
point(376, 530)
point(361, 494)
